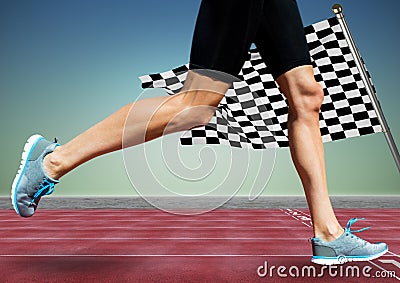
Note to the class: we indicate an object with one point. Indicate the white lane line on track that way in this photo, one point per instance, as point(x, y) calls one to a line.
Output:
point(200, 216)
point(392, 253)
point(169, 218)
point(166, 220)
point(142, 220)
point(166, 215)
point(293, 216)
point(180, 227)
point(149, 255)
point(97, 227)
point(153, 227)
point(147, 238)
point(160, 238)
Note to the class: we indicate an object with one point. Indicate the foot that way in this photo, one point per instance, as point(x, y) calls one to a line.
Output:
point(348, 247)
point(31, 181)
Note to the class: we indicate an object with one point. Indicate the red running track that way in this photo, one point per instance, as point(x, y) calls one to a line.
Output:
point(153, 246)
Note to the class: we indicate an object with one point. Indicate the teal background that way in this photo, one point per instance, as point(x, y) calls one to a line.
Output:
point(67, 64)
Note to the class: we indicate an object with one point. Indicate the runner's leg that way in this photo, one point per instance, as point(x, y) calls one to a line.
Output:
point(281, 42)
point(148, 122)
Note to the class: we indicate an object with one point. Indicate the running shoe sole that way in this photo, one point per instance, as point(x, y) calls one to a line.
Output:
point(343, 259)
point(28, 148)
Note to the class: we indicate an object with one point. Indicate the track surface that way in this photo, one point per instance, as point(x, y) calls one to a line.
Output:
point(225, 245)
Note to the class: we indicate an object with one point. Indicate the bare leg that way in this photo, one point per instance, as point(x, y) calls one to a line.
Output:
point(305, 97)
point(148, 122)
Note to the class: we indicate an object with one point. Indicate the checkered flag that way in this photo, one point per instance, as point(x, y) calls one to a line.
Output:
point(254, 112)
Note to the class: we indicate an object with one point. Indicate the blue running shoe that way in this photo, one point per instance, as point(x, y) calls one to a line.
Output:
point(348, 247)
point(32, 182)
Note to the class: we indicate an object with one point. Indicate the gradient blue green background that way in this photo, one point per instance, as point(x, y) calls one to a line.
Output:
point(67, 64)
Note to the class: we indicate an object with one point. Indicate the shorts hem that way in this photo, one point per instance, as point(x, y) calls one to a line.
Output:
point(214, 74)
point(304, 62)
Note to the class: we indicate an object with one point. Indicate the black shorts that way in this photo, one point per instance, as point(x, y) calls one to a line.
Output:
point(225, 30)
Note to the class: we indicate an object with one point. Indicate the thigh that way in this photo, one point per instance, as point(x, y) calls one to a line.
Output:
point(280, 37)
point(223, 34)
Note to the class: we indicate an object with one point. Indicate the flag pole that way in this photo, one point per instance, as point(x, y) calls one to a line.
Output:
point(337, 9)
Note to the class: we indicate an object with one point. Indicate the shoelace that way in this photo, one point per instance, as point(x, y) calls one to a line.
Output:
point(348, 231)
point(351, 222)
point(46, 188)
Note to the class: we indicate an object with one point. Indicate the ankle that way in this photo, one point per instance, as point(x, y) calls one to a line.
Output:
point(53, 164)
point(328, 233)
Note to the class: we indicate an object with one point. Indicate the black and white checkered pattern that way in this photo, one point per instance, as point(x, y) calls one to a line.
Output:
point(253, 112)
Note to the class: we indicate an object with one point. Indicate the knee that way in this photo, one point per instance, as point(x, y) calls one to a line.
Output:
point(306, 99)
point(195, 116)
point(187, 116)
